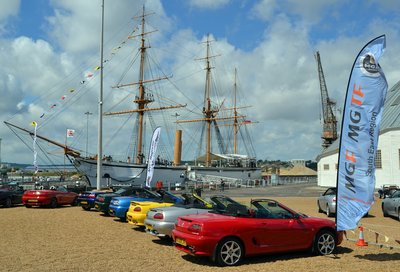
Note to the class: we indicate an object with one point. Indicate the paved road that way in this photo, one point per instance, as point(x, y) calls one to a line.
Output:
point(299, 190)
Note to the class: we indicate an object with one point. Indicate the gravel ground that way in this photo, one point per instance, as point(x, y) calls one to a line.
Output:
point(71, 239)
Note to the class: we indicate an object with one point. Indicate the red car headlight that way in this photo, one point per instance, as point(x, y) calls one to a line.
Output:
point(137, 209)
point(158, 216)
point(196, 228)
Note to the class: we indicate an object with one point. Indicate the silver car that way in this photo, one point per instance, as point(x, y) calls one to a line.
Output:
point(327, 202)
point(391, 205)
point(161, 221)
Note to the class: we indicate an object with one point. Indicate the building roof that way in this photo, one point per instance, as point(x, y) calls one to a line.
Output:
point(297, 170)
point(391, 111)
point(390, 119)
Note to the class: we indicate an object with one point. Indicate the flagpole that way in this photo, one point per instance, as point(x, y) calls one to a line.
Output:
point(100, 128)
point(66, 137)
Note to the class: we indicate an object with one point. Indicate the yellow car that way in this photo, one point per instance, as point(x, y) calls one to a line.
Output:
point(138, 209)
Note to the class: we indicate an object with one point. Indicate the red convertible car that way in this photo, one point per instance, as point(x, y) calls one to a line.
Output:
point(267, 227)
point(54, 197)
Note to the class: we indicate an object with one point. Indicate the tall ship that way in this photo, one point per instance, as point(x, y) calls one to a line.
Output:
point(216, 124)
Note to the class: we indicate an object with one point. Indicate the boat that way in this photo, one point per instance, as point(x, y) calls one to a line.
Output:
point(211, 166)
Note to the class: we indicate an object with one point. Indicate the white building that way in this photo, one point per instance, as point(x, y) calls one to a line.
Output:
point(387, 159)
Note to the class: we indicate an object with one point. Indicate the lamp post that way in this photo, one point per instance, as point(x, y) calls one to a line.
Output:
point(87, 130)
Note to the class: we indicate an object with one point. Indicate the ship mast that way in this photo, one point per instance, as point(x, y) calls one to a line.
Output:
point(235, 121)
point(208, 112)
point(142, 99)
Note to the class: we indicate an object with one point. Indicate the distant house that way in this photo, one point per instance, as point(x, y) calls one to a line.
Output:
point(387, 160)
point(298, 172)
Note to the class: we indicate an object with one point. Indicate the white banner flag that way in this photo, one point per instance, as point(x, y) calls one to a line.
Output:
point(34, 124)
point(152, 156)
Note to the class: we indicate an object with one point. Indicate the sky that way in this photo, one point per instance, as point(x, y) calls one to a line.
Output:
point(48, 47)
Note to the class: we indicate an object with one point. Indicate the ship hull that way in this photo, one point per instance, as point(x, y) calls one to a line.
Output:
point(120, 173)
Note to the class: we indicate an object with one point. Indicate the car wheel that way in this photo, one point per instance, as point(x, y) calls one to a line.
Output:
point(319, 208)
point(75, 202)
point(28, 206)
point(86, 208)
point(385, 214)
point(325, 243)
point(8, 203)
point(166, 238)
point(53, 203)
point(328, 211)
point(229, 252)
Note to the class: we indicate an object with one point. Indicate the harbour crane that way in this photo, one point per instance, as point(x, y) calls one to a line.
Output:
point(329, 131)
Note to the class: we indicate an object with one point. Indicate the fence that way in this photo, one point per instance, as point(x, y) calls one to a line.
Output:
point(208, 182)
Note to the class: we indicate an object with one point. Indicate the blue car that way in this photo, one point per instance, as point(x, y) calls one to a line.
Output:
point(86, 199)
point(119, 206)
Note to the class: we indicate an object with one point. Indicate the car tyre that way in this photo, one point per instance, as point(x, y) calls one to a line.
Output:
point(385, 214)
point(328, 211)
point(28, 206)
point(75, 202)
point(166, 238)
point(229, 252)
point(86, 208)
point(53, 203)
point(8, 203)
point(324, 243)
point(319, 208)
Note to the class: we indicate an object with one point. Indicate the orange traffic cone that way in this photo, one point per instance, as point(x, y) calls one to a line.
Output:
point(361, 241)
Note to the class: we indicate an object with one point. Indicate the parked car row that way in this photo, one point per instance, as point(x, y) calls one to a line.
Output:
point(218, 227)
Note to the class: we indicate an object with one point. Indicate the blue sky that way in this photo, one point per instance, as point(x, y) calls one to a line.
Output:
point(47, 45)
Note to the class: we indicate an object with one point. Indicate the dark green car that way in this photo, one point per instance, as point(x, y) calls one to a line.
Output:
point(102, 202)
point(10, 195)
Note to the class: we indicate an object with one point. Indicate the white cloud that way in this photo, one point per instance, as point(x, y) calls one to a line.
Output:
point(264, 9)
point(208, 4)
point(310, 11)
point(278, 77)
point(8, 8)
point(76, 25)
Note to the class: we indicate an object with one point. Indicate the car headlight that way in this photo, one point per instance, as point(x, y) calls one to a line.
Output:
point(115, 202)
